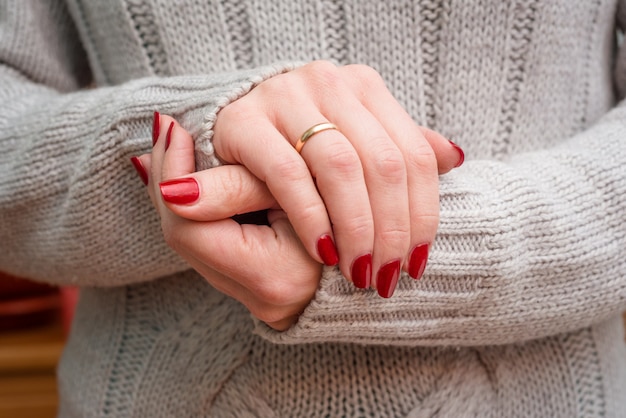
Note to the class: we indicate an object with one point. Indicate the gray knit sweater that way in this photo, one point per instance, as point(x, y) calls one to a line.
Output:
point(518, 312)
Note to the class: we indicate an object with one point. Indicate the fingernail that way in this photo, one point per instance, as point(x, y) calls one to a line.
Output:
point(461, 154)
point(327, 251)
point(141, 170)
point(156, 127)
point(387, 278)
point(362, 271)
point(180, 191)
point(168, 136)
point(417, 261)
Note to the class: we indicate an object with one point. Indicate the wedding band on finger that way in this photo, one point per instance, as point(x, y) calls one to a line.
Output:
point(315, 129)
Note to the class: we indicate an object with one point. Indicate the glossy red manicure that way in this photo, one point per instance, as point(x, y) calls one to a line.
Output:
point(387, 278)
point(461, 154)
point(168, 136)
point(156, 127)
point(180, 191)
point(362, 271)
point(141, 170)
point(327, 251)
point(417, 261)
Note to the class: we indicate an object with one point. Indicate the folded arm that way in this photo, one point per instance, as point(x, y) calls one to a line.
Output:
point(525, 248)
point(71, 210)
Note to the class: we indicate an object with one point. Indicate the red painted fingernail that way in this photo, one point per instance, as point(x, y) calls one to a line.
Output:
point(180, 191)
point(168, 136)
point(327, 251)
point(141, 170)
point(461, 154)
point(156, 127)
point(417, 261)
point(362, 271)
point(387, 278)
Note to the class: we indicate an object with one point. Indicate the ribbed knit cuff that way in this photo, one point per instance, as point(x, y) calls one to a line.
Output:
point(88, 204)
point(526, 248)
point(205, 153)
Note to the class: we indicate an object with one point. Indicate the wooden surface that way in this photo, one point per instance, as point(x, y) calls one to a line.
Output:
point(28, 362)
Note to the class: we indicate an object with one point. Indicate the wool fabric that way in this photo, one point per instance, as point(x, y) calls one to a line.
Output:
point(518, 313)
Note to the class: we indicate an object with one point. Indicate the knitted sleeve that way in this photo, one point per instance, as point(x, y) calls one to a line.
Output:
point(526, 248)
point(72, 210)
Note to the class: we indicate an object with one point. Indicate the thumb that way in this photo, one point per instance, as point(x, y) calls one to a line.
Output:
point(207, 195)
point(216, 193)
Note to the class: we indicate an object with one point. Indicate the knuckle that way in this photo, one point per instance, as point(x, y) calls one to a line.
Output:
point(325, 74)
point(310, 214)
point(278, 89)
point(390, 165)
point(275, 293)
point(422, 158)
point(231, 120)
point(365, 75)
point(427, 223)
point(234, 184)
point(359, 227)
point(344, 160)
point(269, 315)
point(392, 237)
point(235, 111)
point(287, 168)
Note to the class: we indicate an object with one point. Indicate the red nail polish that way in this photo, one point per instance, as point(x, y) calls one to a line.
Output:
point(362, 271)
point(327, 251)
point(461, 154)
point(168, 136)
point(156, 127)
point(180, 191)
point(417, 261)
point(387, 278)
point(141, 170)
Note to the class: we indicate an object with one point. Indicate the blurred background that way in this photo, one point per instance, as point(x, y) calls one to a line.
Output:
point(35, 320)
point(34, 323)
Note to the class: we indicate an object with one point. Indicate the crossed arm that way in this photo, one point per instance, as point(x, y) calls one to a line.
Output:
point(371, 187)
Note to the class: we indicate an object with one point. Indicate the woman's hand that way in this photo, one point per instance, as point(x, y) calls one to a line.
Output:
point(264, 267)
point(370, 186)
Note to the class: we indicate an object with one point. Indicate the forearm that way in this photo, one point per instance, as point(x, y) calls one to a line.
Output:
point(73, 211)
point(526, 248)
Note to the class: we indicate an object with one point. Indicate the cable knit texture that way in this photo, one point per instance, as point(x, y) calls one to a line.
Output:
point(518, 313)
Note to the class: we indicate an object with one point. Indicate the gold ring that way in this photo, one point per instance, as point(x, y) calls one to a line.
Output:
point(315, 129)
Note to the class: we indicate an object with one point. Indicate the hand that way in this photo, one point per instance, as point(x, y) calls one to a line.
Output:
point(370, 187)
point(264, 267)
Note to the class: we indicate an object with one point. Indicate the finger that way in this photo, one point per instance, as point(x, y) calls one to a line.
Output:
point(146, 161)
point(272, 291)
point(384, 171)
point(164, 127)
point(250, 254)
point(277, 317)
point(217, 193)
point(449, 155)
point(364, 81)
point(208, 195)
point(141, 170)
point(341, 180)
point(422, 175)
point(188, 239)
point(178, 151)
point(274, 161)
point(283, 324)
point(257, 308)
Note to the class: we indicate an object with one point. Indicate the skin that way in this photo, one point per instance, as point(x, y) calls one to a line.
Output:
point(372, 185)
